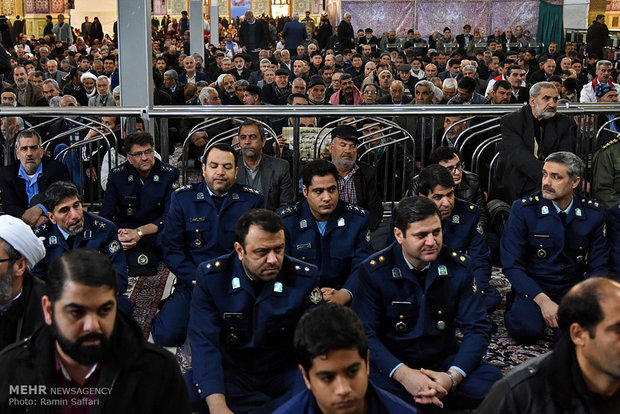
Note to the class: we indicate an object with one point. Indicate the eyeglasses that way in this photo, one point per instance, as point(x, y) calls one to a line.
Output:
point(370, 92)
point(141, 153)
point(458, 166)
point(6, 260)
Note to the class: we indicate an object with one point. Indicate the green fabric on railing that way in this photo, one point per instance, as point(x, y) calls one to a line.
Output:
point(550, 24)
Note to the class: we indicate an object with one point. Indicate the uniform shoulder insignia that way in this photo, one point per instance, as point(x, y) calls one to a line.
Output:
point(167, 168)
point(528, 201)
point(593, 204)
point(610, 143)
point(216, 265)
point(183, 188)
point(458, 257)
point(250, 190)
point(288, 210)
point(41, 229)
point(355, 209)
point(118, 169)
point(99, 224)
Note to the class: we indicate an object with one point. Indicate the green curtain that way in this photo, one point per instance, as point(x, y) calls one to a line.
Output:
point(550, 24)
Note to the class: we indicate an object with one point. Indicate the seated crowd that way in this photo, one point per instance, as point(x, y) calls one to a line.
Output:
point(300, 306)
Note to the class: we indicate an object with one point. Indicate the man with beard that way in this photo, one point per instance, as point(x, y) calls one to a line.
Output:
point(553, 239)
point(94, 353)
point(27, 94)
point(316, 90)
point(277, 92)
point(357, 181)
point(348, 93)
point(70, 227)
point(199, 227)
point(88, 89)
point(244, 311)
point(23, 182)
point(327, 232)
point(603, 75)
point(260, 171)
point(345, 33)
point(20, 292)
point(529, 135)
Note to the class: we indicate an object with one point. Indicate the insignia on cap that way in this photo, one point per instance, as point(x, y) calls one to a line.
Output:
point(442, 270)
point(143, 260)
point(315, 296)
point(114, 246)
point(277, 287)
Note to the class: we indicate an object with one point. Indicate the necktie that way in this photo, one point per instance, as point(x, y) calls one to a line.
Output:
point(70, 241)
point(562, 216)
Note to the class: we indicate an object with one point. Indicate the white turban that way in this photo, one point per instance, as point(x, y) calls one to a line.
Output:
point(20, 236)
point(87, 75)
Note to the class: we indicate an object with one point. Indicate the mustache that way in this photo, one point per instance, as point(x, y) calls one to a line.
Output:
point(89, 337)
point(547, 188)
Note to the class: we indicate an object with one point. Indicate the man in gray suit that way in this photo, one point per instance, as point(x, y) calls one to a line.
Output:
point(266, 174)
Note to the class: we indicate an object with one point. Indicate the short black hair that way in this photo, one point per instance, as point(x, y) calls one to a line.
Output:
point(512, 68)
point(325, 328)
point(222, 147)
point(412, 209)
point(141, 138)
point(467, 83)
point(582, 306)
point(57, 192)
point(319, 168)
point(83, 266)
point(442, 154)
point(432, 176)
point(250, 122)
point(504, 84)
point(291, 97)
point(265, 219)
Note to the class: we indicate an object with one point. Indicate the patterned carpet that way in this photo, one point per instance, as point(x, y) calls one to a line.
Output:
point(146, 293)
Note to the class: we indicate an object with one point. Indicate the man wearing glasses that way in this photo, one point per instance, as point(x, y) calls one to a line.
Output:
point(136, 199)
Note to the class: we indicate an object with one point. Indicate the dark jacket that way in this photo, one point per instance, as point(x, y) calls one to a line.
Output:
point(549, 384)
point(13, 188)
point(143, 377)
point(277, 185)
point(519, 170)
point(596, 38)
point(345, 36)
point(365, 180)
point(294, 33)
point(25, 314)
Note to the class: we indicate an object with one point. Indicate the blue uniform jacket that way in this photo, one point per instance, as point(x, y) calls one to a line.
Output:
point(613, 231)
point(194, 232)
point(378, 400)
point(233, 331)
point(415, 325)
point(339, 252)
point(539, 254)
point(131, 203)
point(98, 234)
point(463, 232)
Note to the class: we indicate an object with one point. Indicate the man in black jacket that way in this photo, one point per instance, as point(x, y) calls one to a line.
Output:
point(96, 355)
point(597, 36)
point(23, 181)
point(357, 183)
point(528, 136)
point(20, 293)
point(581, 374)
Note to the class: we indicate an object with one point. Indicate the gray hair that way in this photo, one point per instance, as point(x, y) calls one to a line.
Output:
point(51, 82)
point(172, 74)
point(116, 90)
point(295, 16)
point(265, 62)
point(347, 14)
point(602, 63)
point(427, 84)
point(104, 77)
point(450, 83)
point(28, 133)
point(438, 93)
point(538, 87)
point(55, 102)
point(205, 93)
point(241, 82)
point(470, 67)
point(574, 163)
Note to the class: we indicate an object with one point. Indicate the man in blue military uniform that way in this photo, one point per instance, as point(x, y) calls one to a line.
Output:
point(332, 351)
point(327, 232)
point(70, 227)
point(411, 297)
point(137, 199)
point(200, 226)
point(244, 311)
point(613, 231)
point(461, 227)
point(553, 239)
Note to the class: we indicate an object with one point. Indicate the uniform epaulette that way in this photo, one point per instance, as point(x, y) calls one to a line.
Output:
point(219, 264)
point(458, 257)
point(376, 261)
point(529, 201)
point(303, 269)
point(288, 210)
point(250, 190)
point(183, 188)
point(41, 229)
point(167, 168)
point(610, 143)
point(592, 204)
point(99, 224)
point(118, 169)
point(355, 209)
